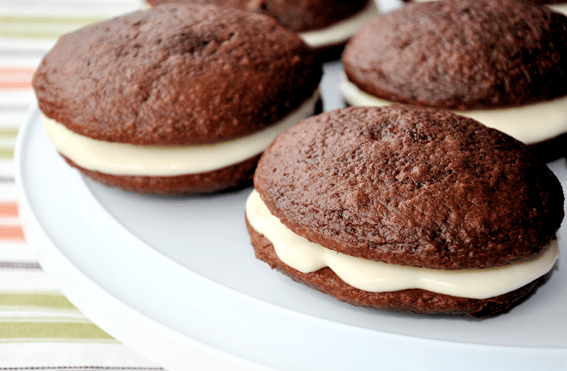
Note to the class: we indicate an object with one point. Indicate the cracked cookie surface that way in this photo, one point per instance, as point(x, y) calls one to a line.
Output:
point(411, 186)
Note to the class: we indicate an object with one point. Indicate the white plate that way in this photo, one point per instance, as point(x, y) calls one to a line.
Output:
point(175, 278)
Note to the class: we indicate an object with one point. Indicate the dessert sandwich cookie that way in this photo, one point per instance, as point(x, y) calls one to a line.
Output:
point(175, 99)
point(500, 62)
point(406, 209)
point(325, 25)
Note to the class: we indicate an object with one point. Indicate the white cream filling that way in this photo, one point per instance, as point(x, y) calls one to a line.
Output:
point(129, 159)
point(367, 275)
point(530, 124)
point(559, 8)
point(340, 31)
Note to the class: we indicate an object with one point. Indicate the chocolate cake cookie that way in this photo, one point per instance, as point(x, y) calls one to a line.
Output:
point(406, 209)
point(324, 25)
point(175, 99)
point(500, 62)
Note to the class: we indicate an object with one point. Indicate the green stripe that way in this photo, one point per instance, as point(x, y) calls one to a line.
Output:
point(8, 132)
point(40, 31)
point(36, 300)
point(6, 153)
point(51, 330)
point(48, 19)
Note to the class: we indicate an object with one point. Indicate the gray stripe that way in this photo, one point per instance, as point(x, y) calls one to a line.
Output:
point(14, 107)
point(23, 52)
point(107, 7)
point(19, 265)
point(93, 3)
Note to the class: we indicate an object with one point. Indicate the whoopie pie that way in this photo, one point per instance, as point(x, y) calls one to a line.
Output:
point(175, 99)
point(325, 25)
point(406, 209)
point(503, 63)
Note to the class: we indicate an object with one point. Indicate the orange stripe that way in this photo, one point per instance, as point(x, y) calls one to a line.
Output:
point(17, 70)
point(16, 78)
point(14, 85)
point(11, 232)
point(8, 209)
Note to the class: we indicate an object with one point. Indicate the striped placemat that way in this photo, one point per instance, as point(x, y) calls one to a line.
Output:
point(39, 328)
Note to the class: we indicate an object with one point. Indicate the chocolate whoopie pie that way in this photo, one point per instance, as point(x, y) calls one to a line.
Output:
point(406, 209)
point(502, 63)
point(325, 25)
point(175, 99)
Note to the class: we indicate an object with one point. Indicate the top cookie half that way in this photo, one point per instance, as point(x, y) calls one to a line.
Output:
point(176, 74)
point(411, 186)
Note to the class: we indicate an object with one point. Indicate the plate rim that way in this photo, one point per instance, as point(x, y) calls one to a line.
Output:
point(53, 259)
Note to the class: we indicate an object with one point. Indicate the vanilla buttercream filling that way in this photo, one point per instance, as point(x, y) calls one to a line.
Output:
point(129, 159)
point(530, 124)
point(559, 8)
point(304, 256)
point(341, 31)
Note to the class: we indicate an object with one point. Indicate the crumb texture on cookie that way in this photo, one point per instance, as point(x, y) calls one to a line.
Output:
point(461, 54)
point(176, 74)
point(297, 15)
point(411, 186)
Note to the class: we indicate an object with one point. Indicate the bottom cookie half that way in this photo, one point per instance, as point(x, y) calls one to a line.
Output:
point(412, 300)
point(212, 181)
